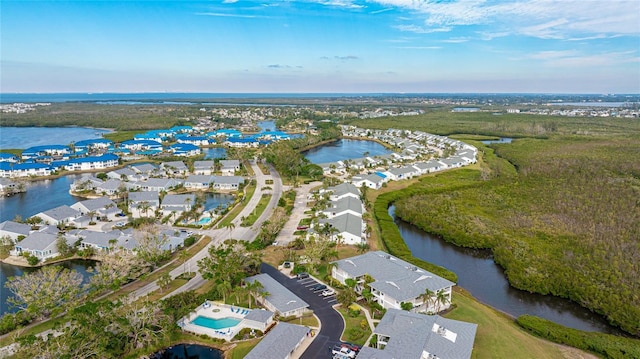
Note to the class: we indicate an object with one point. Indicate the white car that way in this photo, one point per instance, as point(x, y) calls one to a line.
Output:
point(328, 292)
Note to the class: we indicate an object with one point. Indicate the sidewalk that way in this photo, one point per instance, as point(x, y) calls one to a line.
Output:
point(306, 341)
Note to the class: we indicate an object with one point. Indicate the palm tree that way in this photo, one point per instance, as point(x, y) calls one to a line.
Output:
point(224, 288)
point(427, 298)
point(184, 256)
point(254, 289)
point(362, 247)
point(144, 206)
point(441, 299)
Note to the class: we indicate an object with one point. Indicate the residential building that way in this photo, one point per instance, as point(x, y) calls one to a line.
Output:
point(229, 167)
point(174, 168)
point(280, 342)
point(143, 203)
point(39, 244)
point(61, 215)
point(228, 182)
point(395, 281)
point(346, 228)
point(14, 230)
point(279, 299)
point(177, 203)
point(203, 167)
point(97, 207)
point(201, 182)
point(406, 335)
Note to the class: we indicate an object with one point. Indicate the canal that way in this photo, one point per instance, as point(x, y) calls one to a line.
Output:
point(485, 280)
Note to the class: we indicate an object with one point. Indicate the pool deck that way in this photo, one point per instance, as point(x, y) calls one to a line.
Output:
point(216, 311)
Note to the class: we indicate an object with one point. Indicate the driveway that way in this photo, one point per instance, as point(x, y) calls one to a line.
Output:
point(332, 324)
point(299, 207)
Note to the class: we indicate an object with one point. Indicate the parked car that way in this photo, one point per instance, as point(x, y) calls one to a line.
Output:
point(318, 287)
point(343, 351)
point(287, 264)
point(354, 347)
point(328, 292)
point(302, 275)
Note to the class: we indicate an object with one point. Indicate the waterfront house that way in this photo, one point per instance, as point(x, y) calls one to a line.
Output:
point(225, 132)
point(90, 163)
point(145, 169)
point(13, 170)
point(58, 216)
point(174, 168)
point(395, 281)
point(280, 342)
point(229, 167)
point(203, 167)
point(98, 207)
point(141, 145)
point(200, 182)
point(343, 190)
point(54, 151)
point(194, 140)
point(110, 187)
point(184, 149)
point(177, 203)
point(14, 230)
point(125, 174)
point(231, 183)
point(157, 184)
point(39, 244)
point(8, 157)
point(402, 334)
point(346, 228)
point(96, 145)
point(8, 186)
point(85, 183)
point(373, 181)
point(101, 241)
point(279, 299)
point(142, 203)
point(241, 142)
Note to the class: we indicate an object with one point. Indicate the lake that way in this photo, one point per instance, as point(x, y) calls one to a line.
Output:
point(7, 271)
point(212, 153)
point(485, 280)
point(345, 149)
point(25, 137)
point(501, 140)
point(188, 351)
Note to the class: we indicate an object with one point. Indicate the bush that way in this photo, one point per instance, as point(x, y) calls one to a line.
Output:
point(32, 260)
point(189, 241)
point(607, 345)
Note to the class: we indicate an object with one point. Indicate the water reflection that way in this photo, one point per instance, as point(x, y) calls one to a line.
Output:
point(345, 149)
point(188, 351)
point(485, 280)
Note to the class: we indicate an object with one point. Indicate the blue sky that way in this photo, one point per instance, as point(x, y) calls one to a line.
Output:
point(564, 46)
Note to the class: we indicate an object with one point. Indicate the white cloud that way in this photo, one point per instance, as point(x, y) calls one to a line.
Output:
point(419, 47)
point(420, 29)
point(572, 58)
point(538, 18)
point(221, 14)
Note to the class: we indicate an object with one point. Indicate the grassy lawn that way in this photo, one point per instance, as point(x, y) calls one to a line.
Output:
point(242, 349)
point(229, 217)
point(120, 136)
point(175, 284)
point(309, 321)
point(253, 217)
point(353, 330)
point(498, 335)
point(263, 168)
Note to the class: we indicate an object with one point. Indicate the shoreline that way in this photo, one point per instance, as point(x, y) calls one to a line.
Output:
point(22, 262)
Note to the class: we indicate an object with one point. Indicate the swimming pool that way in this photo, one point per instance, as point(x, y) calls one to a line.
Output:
point(204, 221)
point(221, 323)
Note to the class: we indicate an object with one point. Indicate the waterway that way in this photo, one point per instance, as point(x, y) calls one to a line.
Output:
point(213, 153)
point(188, 351)
point(7, 271)
point(485, 280)
point(345, 149)
point(501, 140)
point(25, 137)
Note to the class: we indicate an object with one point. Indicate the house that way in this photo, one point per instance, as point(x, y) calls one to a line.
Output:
point(85, 183)
point(174, 168)
point(93, 145)
point(141, 145)
point(343, 206)
point(203, 167)
point(58, 216)
point(88, 163)
point(199, 181)
point(97, 207)
point(225, 133)
point(181, 129)
point(228, 182)
point(347, 228)
point(280, 342)
point(157, 184)
point(184, 149)
point(402, 334)
point(241, 142)
point(400, 173)
point(343, 190)
point(428, 167)
point(110, 187)
point(148, 136)
point(124, 174)
point(177, 203)
point(258, 319)
point(373, 181)
point(101, 241)
point(143, 203)
point(279, 299)
point(9, 169)
point(39, 244)
point(8, 186)
point(229, 167)
point(56, 151)
point(14, 230)
point(395, 281)
point(8, 157)
point(194, 140)
point(145, 169)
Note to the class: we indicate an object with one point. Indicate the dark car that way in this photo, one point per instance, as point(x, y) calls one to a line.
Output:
point(318, 287)
point(354, 347)
point(302, 275)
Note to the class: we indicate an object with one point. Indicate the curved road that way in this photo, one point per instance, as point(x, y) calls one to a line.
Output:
point(331, 321)
point(220, 235)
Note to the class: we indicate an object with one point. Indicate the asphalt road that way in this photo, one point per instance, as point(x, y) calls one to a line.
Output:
point(332, 323)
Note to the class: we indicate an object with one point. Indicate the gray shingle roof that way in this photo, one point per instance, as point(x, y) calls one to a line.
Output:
point(100, 239)
point(148, 196)
point(259, 315)
point(411, 333)
point(279, 296)
point(38, 241)
point(203, 164)
point(15, 227)
point(344, 188)
point(61, 213)
point(178, 200)
point(279, 343)
point(393, 276)
point(229, 180)
point(96, 203)
point(345, 223)
point(344, 204)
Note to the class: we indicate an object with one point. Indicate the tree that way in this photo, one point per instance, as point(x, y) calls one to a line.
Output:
point(44, 291)
point(427, 298)
point(406, 306)
point(116, 269)
point(164, 281)
point(228, 262)
point(362, 247)
point(346, 297)
point(144, 206)
point(6, 245)
point(441, 300)
point(63, 246)
point(230, 226)
point(151, 244)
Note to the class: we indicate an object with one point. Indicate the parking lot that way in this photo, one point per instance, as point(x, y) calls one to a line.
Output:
point(319, 289)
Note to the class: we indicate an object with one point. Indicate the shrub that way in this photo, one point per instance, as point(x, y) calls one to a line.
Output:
point(189, 241)
point(32, 260)
point(607, 345)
